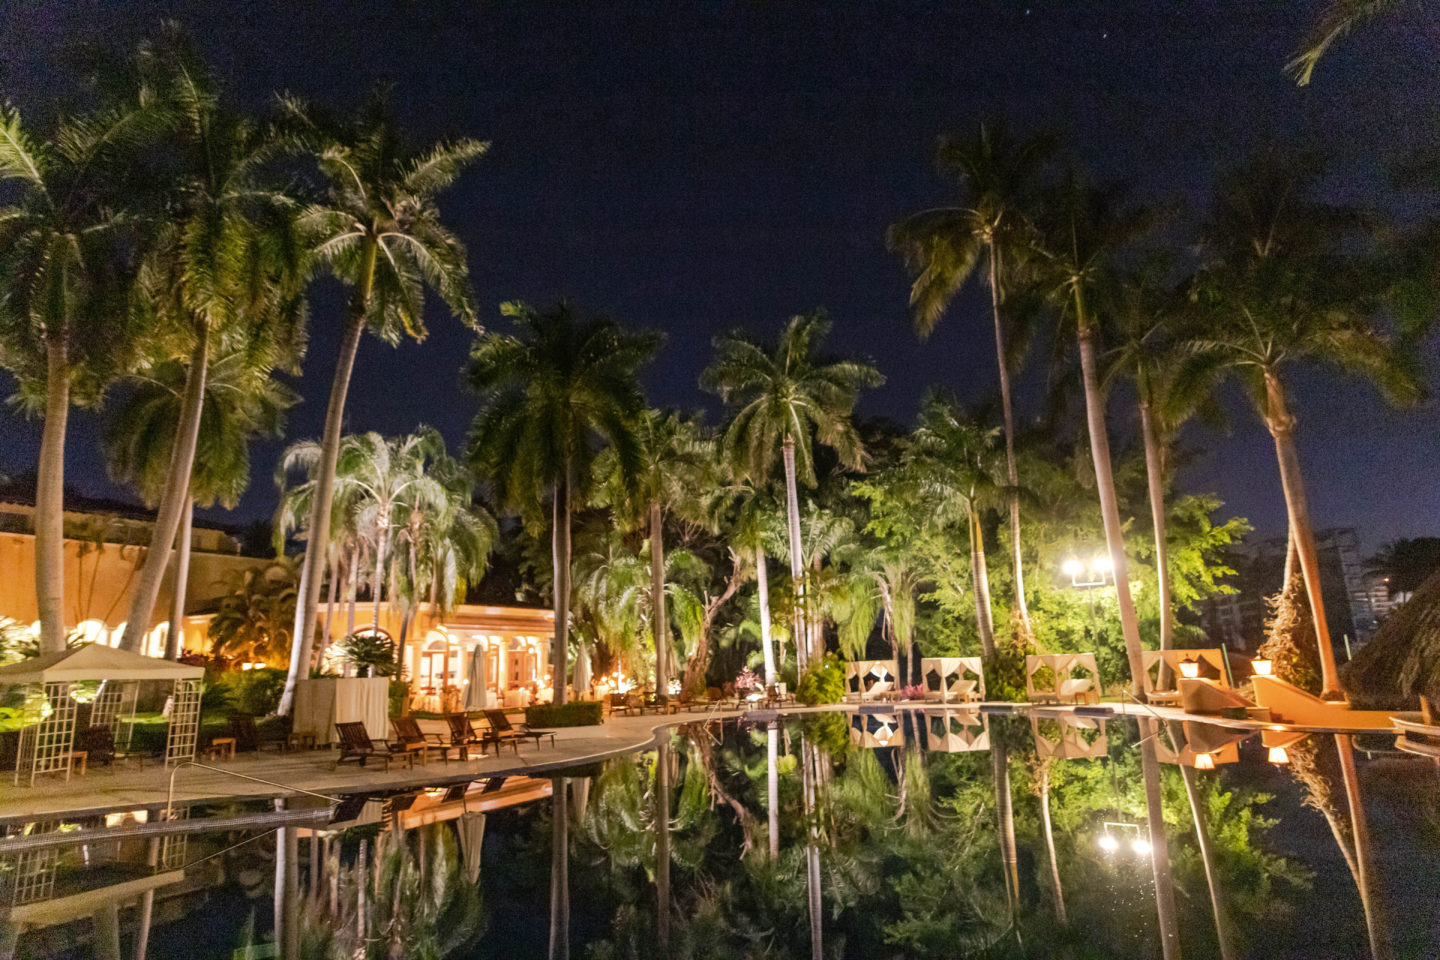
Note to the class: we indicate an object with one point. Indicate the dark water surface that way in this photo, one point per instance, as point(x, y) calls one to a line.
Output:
point(939, 833)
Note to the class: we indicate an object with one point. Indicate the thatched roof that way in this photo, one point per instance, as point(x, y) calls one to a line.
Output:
point(1402, 661)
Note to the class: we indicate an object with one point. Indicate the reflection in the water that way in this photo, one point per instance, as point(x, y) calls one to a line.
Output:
point(877, 845)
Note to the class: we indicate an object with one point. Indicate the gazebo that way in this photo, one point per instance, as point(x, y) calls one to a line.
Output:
point(1058, 677)
point(951, 682)
point(47, 736)
point(955, 731)
point(867, 680)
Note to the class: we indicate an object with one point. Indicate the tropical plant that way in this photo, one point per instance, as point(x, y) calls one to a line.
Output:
point(372, 653)
point(943, 246)
point(1282, 285)
point(545, 395)
point(225, 273)
point(1084, 227)
point(823, 682)
point(785, 397)
point(253, 621)
point(70, 242)
point(380, 233)
point(240, 402)
point(1335, 19)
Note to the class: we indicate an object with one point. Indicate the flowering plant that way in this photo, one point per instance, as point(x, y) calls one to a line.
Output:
point(747, 680)
point(914, 692)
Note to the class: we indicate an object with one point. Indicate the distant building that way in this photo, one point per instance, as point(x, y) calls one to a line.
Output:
point(1238, 620)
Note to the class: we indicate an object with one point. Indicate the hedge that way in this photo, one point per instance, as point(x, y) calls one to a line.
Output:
point(577, 713)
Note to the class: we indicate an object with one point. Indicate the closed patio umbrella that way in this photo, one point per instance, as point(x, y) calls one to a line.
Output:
point(471, 830)
point(477, 693)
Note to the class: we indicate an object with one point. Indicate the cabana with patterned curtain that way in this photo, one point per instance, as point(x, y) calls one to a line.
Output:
point(954, 731)
point(1069, 738)
point(1055, 677)
point(47, 735)
point(952, 679)
point(867, 680)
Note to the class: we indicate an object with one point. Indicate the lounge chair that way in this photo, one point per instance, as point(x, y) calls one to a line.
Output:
point(247, 735)
point(463, 735)
point(98, 743)
point(620, 703)
point(410, 737)
point(357, 745)
point(662, 703)
point(503, 729)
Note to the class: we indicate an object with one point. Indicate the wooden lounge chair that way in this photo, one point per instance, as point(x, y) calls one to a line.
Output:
point(247, 735)
point(662, 703)
point(357, 745)
point(98, 743)
point(620, 703)
point(413, 740)
point(503, 729)
point(463, 735)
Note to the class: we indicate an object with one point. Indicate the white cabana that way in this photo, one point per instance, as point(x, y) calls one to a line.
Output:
point(952, 679)
point(1062, 676)
point(871, 730)
point(322, 703)
point(955, 731)
point(1069, 738)
point(867, 680)
point(47, 736)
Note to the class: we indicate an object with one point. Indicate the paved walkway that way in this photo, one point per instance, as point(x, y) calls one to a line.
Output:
point(128, 786)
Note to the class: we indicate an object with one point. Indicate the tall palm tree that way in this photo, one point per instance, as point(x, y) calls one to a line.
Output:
point(1084, 227)
point(944, 246)
point(381, 234)
point(226, 266)
point(240, 402)
point(1281, 287)
point(69, 252)
point(957, 472)
point(545, 395)
point(785, 397)
point(675, 470)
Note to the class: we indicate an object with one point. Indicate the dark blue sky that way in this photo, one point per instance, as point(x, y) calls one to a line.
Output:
point(695, 167)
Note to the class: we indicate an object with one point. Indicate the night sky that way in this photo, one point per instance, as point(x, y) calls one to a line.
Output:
point(697, 167)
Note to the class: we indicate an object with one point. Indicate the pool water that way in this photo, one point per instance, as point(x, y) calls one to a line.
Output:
point(937, 833)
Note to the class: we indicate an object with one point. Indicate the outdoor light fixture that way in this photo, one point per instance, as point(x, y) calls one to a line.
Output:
point(1072, 568)
point(1190, 668)
point(1141, 846)
point(1261, 666)
point(1204, 761)
point(1108, 843)
point(1101, 564)
point(1100, 569)
point(1279, 756)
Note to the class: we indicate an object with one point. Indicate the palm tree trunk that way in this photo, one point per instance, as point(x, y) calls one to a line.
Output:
point(174, 640)
point(50, 500)
point(559, 873)
point(762, 586)
point(772, 786)
point(382, 545)
point(1155, 480)
point(1022, 611)
point(560, 543)
point(979, 572)
point(1377, 920)
point(1207, 857)
point(662, 845)
point(319, 657)
point(1159, 847)
point(176, 497)
point(1282, 428)
point(308, 602)
point(147, 904)
point(1109, 505)
point(658, 624)
point(352, 587)
point(797, 564)
point(1050, 845)
point(1005, 823)
point(809, 789)
point(287, 891)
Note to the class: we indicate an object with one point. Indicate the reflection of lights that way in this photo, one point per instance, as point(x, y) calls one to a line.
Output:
point(1190, 668)
point(1072, 567)
point(126, 816)
point(1141, 846)
point(1108, 843)
point(1204, 761)
point(1261, 666)
point(1278, 755)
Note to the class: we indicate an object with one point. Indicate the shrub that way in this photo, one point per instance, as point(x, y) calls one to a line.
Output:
point(399, 693)
point(829, 731)
point(822, 683)
point(577, 713)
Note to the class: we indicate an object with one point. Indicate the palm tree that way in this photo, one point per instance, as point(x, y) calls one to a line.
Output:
point(781, 394)
point(1281, 287)
point(1084, 228)
point(1144, 325)
point(955, 469)
point(240, 402)
point(676, 463)
point(1335, 20)
point(943, 246)
point(225, 267)
point(381, 234)
point(69, 249)
point(254, 618)
point(544, 395)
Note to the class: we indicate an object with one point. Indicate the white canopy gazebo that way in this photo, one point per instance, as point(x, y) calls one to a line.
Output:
point(872, 730)
point(951, 681)
point(867, 680)
point(955, 731)
point(1069, 738)
point(47, 735)
point(1062, 676)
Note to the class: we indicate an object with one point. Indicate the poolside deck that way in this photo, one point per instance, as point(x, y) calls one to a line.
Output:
point(130, 786)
